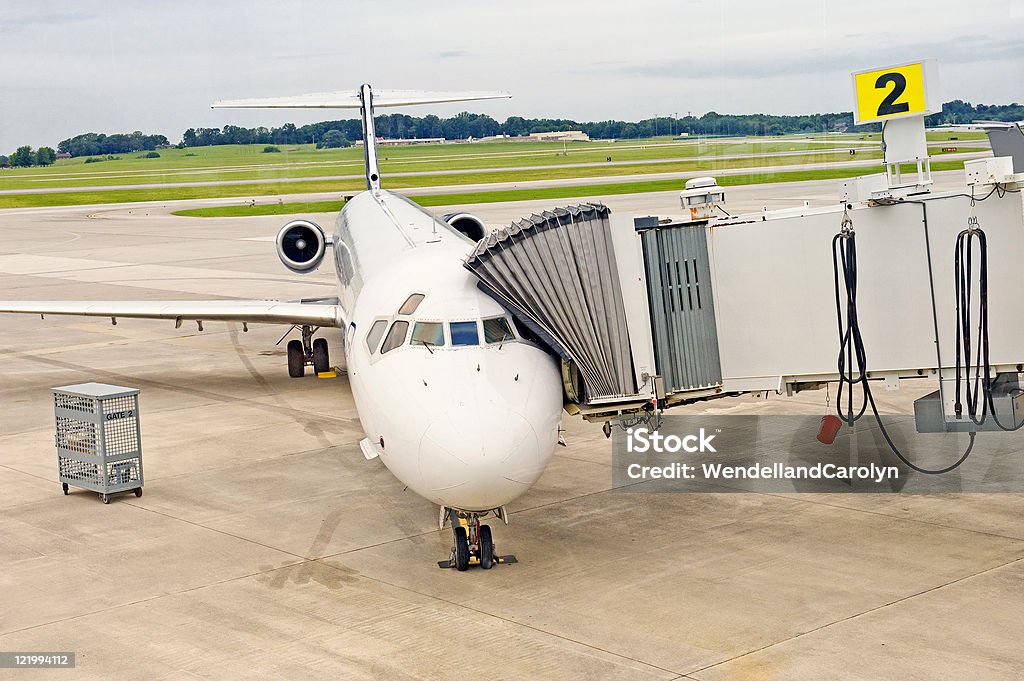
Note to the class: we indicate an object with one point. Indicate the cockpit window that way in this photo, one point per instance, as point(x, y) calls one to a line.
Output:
point(525, 332)
point(375, 334)
point(428, 333)
point(464, 333)
point(411, 303)
point(497, 330)
point(396, 336)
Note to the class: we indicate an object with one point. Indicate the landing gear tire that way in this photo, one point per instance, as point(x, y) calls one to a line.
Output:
point(486, 548)
point(461, 549)
point(321, 357)
point(296, 359)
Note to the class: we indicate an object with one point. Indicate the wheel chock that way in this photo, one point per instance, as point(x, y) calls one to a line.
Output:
point(327, 374)
point(473, 560)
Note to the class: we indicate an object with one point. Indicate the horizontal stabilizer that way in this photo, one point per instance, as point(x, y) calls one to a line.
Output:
point(253, 311)
point(349, 99)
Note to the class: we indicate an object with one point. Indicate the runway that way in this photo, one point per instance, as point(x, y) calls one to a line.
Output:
point(266, 546)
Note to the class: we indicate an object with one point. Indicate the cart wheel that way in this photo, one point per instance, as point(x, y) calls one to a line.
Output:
point(64, 486)
point(105, 498)
point(138, 491)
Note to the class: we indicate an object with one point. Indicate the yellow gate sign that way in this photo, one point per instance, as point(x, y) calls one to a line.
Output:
point(896, 92)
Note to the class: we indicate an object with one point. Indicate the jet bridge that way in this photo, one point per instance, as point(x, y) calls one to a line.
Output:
point(649, 312)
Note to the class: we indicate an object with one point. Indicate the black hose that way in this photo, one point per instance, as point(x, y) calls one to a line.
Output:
point(851, 349)
point(963, 263)
point(977, 390)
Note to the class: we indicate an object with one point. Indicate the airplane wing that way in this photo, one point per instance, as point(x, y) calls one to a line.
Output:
point(253, 311)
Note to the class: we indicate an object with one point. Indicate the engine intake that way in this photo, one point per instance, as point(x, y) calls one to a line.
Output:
point(301, 245)
point(466, 224)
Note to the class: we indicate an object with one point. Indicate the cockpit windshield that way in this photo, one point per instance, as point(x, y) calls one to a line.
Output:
point(464, 333)
point(432, 334)
point(428, 333)
point(497, 330)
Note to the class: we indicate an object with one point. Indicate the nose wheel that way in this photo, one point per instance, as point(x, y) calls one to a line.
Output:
point(473, 544)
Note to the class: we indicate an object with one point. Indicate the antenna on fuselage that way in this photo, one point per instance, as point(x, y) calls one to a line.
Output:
point(365, 100)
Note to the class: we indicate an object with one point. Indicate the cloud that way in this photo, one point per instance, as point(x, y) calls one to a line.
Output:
point(729, 64)
point(50, 20)
point(93, 64)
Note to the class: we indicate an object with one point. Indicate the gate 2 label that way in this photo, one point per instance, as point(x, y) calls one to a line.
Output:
point(895, 92)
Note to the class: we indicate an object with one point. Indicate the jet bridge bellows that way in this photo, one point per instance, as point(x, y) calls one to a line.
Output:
point(556, 272)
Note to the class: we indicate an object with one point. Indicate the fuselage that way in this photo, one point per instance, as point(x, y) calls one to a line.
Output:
point(457, 405)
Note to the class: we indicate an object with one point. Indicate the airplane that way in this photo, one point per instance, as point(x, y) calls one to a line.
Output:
point(453, 397)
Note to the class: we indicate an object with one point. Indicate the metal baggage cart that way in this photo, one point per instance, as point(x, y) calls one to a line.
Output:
point(99, 442)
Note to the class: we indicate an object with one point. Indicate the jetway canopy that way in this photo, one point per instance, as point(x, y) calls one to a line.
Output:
point(556, 272)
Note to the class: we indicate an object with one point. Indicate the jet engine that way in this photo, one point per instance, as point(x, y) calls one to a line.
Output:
point(301, 245)
point(467, 224)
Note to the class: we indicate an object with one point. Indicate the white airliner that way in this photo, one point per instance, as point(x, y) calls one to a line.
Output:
point(456, 403)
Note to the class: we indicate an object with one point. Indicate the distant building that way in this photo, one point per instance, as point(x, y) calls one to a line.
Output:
point(63, 154)
point(381, 142)
point(560, 136)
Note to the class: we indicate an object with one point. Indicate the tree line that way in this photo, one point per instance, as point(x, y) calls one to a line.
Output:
point(26, 157)
point(476, 126)
point(341, 133)
point(96, 144)
point(470, 125)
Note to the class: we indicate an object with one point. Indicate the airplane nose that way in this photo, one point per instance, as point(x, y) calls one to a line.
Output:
point(481, 459)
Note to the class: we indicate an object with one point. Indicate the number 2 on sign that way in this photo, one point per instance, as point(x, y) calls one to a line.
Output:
point(889, 105)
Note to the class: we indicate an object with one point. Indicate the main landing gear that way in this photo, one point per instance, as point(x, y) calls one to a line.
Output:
point(473, 544)
point(308, 352)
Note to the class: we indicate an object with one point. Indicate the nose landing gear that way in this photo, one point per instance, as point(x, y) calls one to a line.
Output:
point(473, 542)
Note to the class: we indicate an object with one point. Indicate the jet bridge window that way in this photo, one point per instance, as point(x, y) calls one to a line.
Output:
point(396, 336)
point(411, 303)
point(428, 333)
point(497, 330)
point(375, 334)
point(464, 333)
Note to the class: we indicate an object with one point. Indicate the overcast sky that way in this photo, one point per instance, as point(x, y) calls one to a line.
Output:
point(97, 66)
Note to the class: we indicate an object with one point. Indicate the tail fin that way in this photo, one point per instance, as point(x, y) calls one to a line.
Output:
point(365, 100)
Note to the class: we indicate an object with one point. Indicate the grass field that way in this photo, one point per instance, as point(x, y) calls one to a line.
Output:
point(237, 163)
point(544, 193)
point(303, 169)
